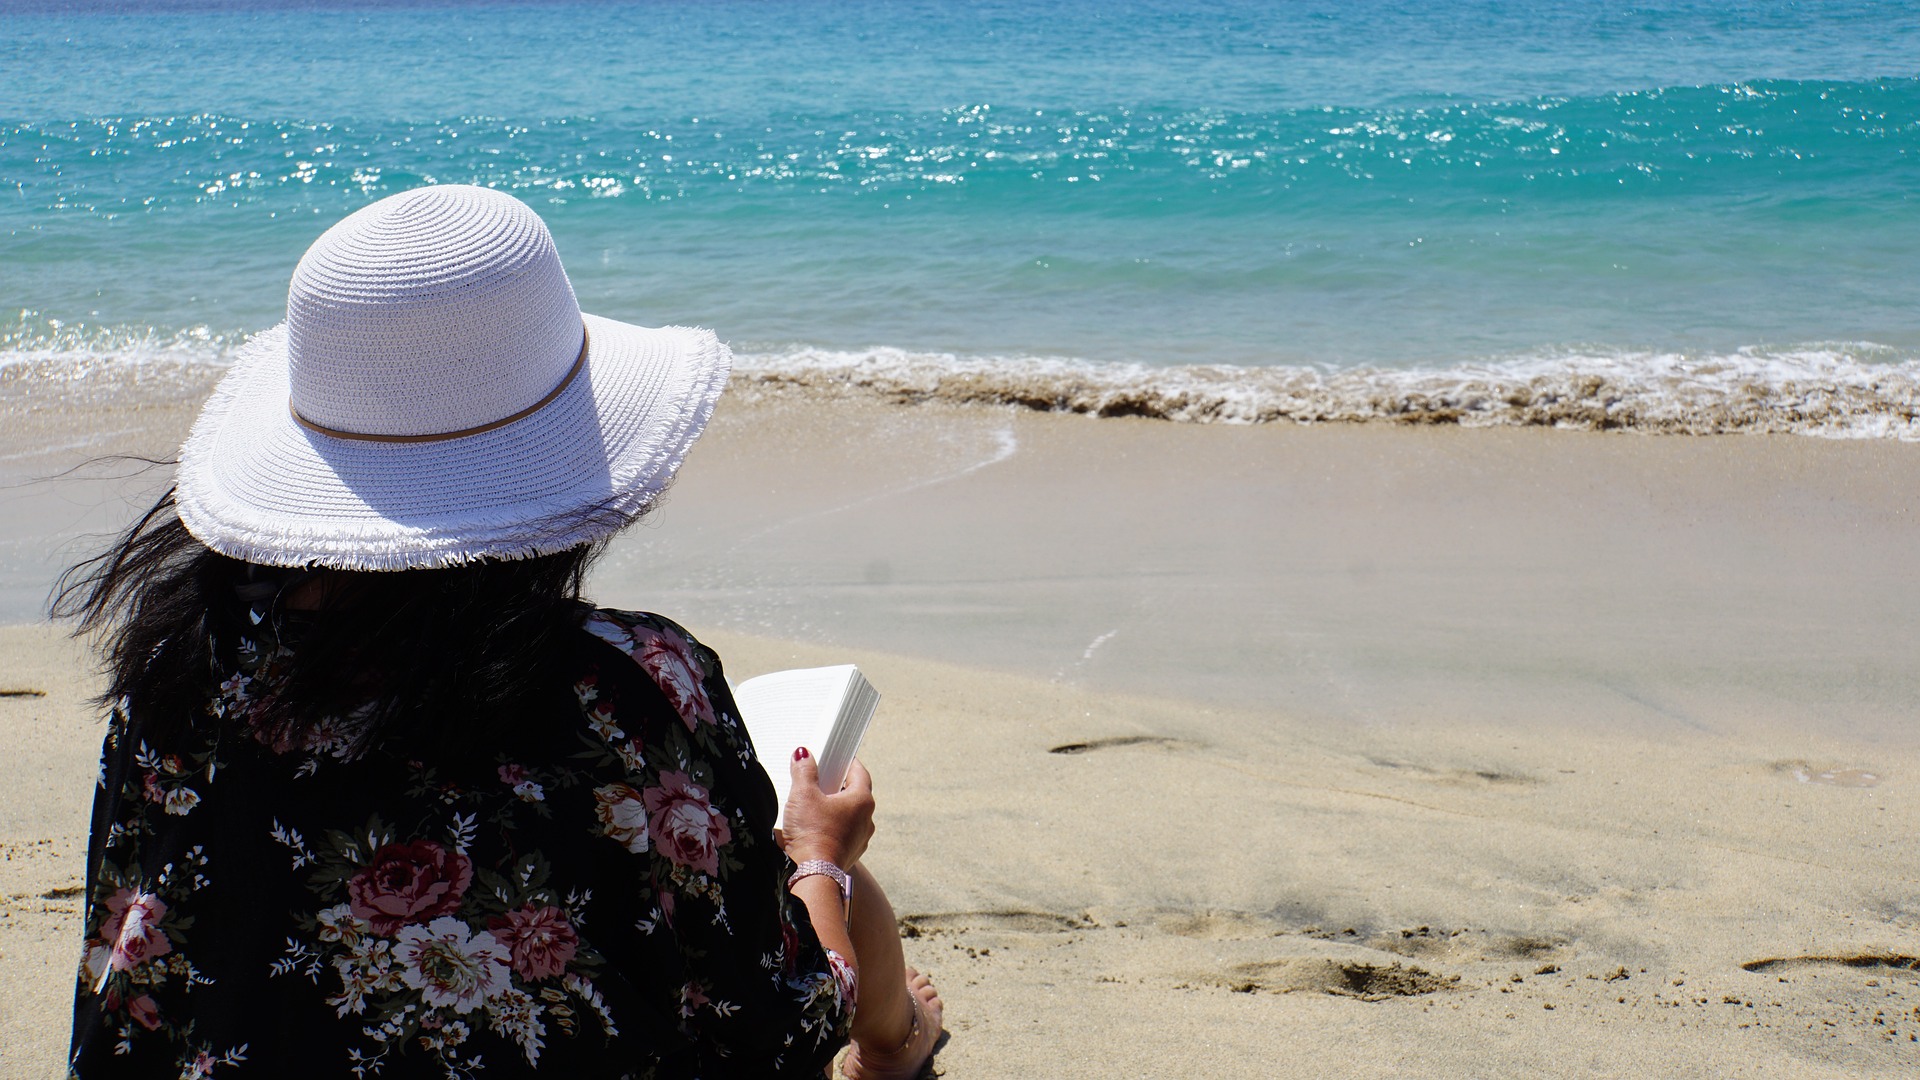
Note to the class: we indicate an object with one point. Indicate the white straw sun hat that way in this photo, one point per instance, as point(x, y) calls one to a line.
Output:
point(436, 396)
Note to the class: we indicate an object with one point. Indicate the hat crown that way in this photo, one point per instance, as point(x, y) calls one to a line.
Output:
point(436, 310)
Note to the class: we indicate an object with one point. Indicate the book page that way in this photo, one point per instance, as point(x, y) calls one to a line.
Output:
point(788, 709)
point(849, 727)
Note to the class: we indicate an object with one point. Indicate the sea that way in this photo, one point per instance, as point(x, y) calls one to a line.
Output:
point(1660, 216)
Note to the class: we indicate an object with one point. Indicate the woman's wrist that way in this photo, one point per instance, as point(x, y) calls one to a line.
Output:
point(820, 868)
point(828, 910)
point(814, 851)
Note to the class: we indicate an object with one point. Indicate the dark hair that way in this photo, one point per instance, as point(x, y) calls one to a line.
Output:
point(421, 659)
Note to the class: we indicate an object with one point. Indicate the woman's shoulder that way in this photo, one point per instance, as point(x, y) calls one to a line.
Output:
point(617, 626)
point(653, 641)
point(687, 673)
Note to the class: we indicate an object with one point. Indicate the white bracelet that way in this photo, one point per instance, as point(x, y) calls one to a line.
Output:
point(825, 869)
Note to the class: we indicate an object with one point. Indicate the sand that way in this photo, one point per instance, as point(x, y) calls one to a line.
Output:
point(1331, 751)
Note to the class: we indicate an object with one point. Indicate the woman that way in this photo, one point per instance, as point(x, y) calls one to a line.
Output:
point(380, 795)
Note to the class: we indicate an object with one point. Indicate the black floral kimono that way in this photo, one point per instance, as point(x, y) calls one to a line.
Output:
point(608, 902)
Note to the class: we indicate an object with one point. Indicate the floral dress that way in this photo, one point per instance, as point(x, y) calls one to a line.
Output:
point(605, 900)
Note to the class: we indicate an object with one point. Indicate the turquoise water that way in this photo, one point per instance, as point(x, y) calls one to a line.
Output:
point(1451, 187)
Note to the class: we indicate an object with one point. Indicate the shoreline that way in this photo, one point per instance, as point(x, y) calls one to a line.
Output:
point(1823, 389)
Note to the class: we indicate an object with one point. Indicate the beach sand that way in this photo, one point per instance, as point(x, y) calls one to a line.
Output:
point(1262, 751)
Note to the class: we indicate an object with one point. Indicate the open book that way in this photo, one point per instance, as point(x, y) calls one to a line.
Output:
point(824, 709)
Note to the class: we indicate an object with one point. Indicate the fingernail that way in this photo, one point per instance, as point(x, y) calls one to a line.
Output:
point(799, 753)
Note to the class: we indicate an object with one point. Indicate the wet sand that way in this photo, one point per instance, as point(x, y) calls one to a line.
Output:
point(1342, 751)
point(1359, 575)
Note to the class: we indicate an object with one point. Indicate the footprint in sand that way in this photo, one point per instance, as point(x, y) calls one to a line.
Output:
point(1832, 777)
point(933, 924)
point(1215, 925)
point(1430, 943)
point(1344, 978)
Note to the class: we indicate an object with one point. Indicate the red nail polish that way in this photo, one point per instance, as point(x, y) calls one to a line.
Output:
point(799, 753)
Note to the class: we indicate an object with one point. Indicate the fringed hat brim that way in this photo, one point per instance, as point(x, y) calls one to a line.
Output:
point(256, 485)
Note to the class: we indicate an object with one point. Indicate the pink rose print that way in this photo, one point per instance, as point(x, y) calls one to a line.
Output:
point(669, 659)
point(539, 941)
point(684, 825)
point(622, 816)
point(512, 774)
point(409, 883)
point(134, 929)
point(144, 1011)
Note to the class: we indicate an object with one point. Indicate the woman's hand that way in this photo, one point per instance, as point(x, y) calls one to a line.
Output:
point(832, 827)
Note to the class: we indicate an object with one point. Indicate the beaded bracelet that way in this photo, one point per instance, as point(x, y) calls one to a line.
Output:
point(823, 868)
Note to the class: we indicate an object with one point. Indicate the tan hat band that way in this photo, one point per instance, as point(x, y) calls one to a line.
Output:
point(578, 363)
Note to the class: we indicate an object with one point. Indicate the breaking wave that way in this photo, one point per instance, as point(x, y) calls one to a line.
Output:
point(1848, 390)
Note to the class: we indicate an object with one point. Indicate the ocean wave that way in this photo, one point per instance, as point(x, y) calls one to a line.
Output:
point(59, 348)
point(1842, 390)
point(48, 363)
point(1855, 390)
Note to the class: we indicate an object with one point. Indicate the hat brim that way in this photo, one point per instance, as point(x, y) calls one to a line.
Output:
point(256, 485)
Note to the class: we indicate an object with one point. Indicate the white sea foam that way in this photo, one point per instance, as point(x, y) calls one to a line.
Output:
point(71, 349)
point(1835, 390)
point(1839, 390)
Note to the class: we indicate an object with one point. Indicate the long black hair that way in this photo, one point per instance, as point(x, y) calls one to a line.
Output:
point(426, 660)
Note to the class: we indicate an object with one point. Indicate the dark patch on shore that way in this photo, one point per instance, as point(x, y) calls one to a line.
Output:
point(1109, 743)
point(1492, 777)
point(1895, 961)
